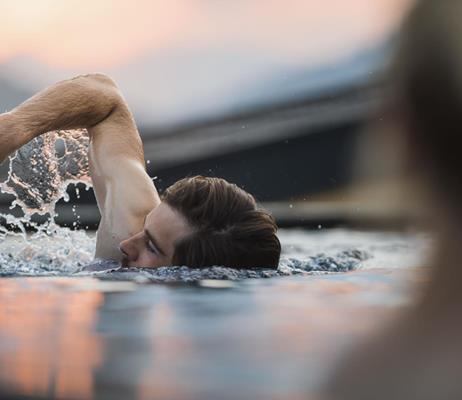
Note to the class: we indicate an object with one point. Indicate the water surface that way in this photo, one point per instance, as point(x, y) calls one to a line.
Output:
point(82, 337)
point(73, 328)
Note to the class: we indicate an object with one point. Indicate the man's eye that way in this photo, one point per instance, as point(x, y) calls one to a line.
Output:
point(152, 248)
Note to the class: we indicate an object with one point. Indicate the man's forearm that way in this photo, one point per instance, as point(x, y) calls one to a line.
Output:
point(81, 102)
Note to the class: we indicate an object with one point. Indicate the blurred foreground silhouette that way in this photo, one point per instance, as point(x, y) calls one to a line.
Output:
point(420, 356)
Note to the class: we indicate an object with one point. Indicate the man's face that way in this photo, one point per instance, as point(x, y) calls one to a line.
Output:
point(154, 245)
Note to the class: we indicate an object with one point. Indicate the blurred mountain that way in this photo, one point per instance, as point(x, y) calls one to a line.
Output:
point(300, 83)
point(11, 95)
point(180, 86)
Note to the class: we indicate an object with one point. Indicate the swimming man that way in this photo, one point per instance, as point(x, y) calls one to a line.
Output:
point(198, 221)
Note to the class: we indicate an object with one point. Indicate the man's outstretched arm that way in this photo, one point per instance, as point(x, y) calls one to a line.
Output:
point(124, 191)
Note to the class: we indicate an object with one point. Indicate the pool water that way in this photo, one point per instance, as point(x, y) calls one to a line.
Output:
point(109, 335)
point(75, 328)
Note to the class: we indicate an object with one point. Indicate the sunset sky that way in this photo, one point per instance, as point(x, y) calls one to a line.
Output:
point(216, 43)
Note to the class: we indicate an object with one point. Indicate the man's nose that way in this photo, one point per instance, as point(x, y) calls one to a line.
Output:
point(129, 248)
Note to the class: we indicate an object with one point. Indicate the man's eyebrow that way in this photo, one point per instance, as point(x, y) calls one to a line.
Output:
point(151, 238)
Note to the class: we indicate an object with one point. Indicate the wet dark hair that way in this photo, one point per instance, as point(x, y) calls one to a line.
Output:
point(228, 227)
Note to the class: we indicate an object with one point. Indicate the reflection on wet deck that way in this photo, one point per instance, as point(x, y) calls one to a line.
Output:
point(81, 338)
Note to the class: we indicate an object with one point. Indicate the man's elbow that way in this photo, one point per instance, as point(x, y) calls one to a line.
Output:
point(105, 90)
point(101, 79)
point(102, 83)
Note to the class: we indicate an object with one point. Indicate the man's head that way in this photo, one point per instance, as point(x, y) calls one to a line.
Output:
point(204, 222)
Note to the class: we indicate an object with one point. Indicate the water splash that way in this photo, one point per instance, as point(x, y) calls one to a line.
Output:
point(38, 177)
point(41, 170)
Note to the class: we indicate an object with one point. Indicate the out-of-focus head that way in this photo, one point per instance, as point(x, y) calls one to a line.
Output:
point(427, 104)
point(428, 97)
point(204, 222)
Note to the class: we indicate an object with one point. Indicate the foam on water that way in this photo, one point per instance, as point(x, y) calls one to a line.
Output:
point(344, 261)
point(38, 177)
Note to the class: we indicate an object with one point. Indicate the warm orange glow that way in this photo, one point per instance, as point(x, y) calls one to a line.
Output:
point(106, 33)
point(83, 33)
point(49, 352)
